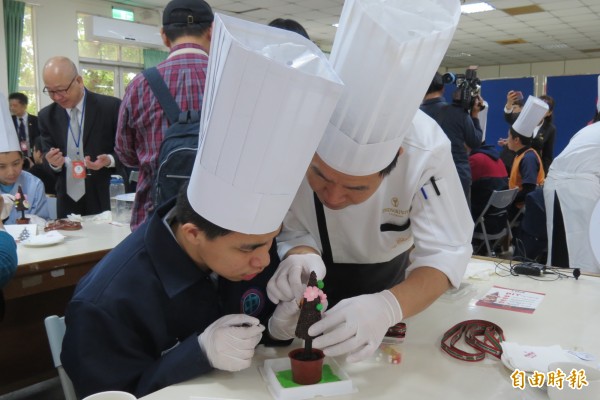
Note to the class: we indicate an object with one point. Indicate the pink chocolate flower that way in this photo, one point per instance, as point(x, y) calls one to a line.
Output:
point(311, 293)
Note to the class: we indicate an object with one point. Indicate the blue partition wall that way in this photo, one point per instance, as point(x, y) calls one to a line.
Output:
point(494, 92)
point(574, 105)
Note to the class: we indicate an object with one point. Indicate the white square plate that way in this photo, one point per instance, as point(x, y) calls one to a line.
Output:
point(271, 367)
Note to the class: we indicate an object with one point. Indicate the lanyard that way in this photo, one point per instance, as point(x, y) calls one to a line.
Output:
point(80, 123)
point(492, 337)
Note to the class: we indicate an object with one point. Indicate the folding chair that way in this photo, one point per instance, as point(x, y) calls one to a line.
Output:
point(55, 329)
point(495, 209)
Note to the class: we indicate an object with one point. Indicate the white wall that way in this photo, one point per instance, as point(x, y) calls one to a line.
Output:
point(55, 29)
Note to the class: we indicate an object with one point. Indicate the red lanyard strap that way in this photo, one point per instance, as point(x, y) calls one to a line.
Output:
point(472, 329)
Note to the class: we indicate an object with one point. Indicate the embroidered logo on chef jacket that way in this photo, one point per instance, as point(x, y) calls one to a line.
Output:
point(252, 302)
point(394, 210)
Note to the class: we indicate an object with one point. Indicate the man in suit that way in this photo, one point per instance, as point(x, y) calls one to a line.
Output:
point(78, 138)
point(26, 124)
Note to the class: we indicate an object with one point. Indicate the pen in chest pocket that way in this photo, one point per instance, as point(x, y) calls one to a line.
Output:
point(435, 188)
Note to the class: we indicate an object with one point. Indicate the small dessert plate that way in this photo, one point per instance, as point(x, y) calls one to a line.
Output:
point(43, 240)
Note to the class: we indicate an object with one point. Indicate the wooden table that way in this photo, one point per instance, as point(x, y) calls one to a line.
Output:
point(568, 316)
point(42, 286)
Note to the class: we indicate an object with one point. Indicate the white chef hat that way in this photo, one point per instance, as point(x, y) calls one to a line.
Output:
point(8, 135)
point(598, 98)
point(595, 231)
point(267, 101)
point(482, 116)
point(530, 117)
point(386, 52)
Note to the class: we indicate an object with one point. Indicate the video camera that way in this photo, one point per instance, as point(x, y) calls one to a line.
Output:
point(468, 85)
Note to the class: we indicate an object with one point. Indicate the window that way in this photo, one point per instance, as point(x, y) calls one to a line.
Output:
point(107, 68)
point(27, 81)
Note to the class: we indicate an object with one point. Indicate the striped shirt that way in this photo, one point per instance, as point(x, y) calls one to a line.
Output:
point(142, 120)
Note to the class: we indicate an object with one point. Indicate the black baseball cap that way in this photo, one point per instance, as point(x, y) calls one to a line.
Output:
point(188, 12)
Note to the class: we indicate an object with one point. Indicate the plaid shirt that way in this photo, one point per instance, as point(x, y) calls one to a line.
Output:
point(142, 120)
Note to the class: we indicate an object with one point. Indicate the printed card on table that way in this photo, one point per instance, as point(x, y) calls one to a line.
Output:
point(511, 299)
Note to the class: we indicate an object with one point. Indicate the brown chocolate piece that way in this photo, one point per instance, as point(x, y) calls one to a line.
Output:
point(309, 314)
point(62, 224)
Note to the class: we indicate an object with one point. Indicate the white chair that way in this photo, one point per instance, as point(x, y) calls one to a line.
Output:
point(55, 329)
point(496, 207)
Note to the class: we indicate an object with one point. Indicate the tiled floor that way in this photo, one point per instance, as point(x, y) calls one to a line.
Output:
point(47, 390)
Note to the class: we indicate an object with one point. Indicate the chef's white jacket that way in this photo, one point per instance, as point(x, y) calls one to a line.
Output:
point(440, 228)
point(575, 178)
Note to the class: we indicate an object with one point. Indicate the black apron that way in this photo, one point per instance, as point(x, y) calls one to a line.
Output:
point(349, 280)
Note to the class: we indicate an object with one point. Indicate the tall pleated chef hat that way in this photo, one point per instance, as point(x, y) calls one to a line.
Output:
point(483, 116)
point(386, 52)
point(530, 117)
point(8, 135)
point(595, 231)
point(598, 99)
point(268, 98)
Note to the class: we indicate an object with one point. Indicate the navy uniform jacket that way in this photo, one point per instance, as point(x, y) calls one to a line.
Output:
point(134, 320)
point(461, 129)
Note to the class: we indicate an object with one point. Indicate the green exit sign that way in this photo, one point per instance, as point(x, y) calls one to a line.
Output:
point(125, 15)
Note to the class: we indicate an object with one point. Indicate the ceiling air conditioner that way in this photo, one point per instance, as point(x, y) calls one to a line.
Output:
point(123, 32)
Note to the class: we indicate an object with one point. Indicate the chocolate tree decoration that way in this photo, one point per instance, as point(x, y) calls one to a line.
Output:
point(21, 203)
point(310, 311)
point(24, 235)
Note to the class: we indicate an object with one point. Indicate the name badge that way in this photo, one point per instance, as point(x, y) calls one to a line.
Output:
point(79, 169)
point(24, 146)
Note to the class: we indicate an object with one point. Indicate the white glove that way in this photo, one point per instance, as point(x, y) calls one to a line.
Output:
point(9, 202)
point(290, 279)
point(356, 325)
point(282, 324)
point(229, 344)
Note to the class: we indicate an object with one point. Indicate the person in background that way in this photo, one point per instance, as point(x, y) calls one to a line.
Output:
point(186, 31)
point(381, 213)
point(78, 139)
point(544, 140)
point(38, 169)
point(12, 175)
point(8, 259)
point(26, 124)
point(546, 136)
point(597, 110)
point(514, 104)
point(185, 293)
point(571, 191)
point(527, 169)
point(289, 25)
point(460, 125)
point(488, 173)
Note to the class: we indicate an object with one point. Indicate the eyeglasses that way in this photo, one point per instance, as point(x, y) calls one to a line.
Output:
point(61, 92)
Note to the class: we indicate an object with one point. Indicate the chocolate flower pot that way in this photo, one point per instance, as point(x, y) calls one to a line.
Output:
point(306, 370)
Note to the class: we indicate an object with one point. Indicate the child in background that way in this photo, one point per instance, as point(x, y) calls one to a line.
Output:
point(12, 175)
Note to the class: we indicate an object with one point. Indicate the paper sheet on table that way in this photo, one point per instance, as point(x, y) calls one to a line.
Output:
point(16, 230)
point(479, 270)
point(532, 358)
